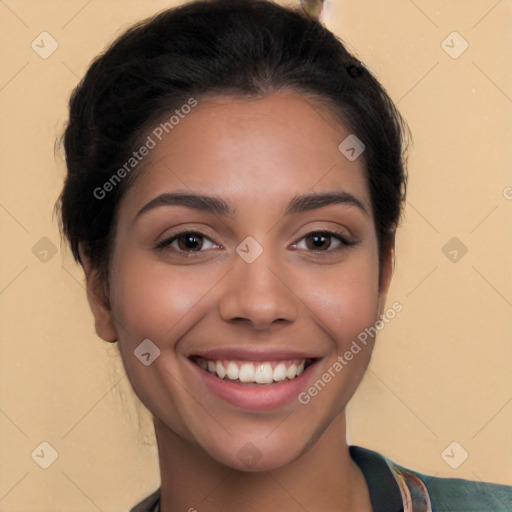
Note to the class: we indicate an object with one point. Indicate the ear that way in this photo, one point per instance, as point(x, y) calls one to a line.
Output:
point(98, 299)
point(386, 273)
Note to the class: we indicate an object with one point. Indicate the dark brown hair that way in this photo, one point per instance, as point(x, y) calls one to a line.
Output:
point(247, 48)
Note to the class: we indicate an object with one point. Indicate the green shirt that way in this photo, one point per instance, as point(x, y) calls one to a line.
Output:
point(394, 488)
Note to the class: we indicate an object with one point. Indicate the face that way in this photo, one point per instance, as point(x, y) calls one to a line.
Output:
point(269, 278)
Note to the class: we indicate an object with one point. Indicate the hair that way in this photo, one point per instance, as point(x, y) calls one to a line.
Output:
point(242, 48)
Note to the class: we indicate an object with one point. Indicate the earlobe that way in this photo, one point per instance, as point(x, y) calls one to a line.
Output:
point(98, 300)
point(387, 269)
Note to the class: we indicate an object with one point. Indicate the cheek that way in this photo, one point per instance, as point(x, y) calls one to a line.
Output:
point(150, 299)
point(344, 303)
point(345, 298)
point(154, 300)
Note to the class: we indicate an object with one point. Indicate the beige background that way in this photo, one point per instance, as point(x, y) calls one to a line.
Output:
point(441, 371)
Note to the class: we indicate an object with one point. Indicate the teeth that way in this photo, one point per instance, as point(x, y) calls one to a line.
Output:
point(264, 373)
point(218, 368)
point(246, 373)
point(291, 372)
point(280, 372)
point(232, 371)
point(253, 372)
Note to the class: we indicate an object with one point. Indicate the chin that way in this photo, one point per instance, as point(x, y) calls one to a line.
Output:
point(254, 458)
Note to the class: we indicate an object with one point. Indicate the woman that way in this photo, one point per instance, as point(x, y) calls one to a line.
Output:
point(235, 181)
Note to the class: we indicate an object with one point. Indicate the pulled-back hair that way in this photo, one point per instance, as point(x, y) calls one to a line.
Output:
point(243, 48)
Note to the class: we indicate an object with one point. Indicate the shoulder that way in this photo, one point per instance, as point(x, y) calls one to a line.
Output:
point(424, 492)
point(421, 492)
point(456, 494)
point(149, 504)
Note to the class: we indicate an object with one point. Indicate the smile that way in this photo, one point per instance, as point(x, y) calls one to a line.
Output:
point(254, 372)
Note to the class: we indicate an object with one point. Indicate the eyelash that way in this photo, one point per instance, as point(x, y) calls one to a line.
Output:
point(345, 242)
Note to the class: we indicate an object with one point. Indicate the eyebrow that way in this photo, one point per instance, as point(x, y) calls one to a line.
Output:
point(200, 202)
point(313, 201)
point(218, 206)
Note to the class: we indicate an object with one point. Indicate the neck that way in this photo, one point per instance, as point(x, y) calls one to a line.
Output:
point(324, 478)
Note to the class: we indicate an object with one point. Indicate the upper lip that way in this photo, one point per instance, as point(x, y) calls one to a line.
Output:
point(247, 354)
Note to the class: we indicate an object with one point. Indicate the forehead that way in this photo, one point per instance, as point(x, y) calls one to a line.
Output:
point(253, 152)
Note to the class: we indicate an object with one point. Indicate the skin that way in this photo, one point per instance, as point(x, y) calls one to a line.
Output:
point(257, 154)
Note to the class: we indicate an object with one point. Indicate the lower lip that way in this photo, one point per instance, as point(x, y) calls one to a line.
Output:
point(256, 397)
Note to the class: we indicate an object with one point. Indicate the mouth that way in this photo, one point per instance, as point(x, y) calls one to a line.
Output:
point(252, 379)
point(253, 372)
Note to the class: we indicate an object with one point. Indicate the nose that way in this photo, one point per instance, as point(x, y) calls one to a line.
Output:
point(258, 294)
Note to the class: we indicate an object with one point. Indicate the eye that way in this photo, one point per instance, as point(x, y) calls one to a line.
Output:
point(187, 242)
point(322, 241)
point(190, 242)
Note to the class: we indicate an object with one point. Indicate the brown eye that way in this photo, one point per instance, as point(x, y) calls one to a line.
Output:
point(187, 242)
point(318, 241)
point(190, 242)
point(322, 241)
